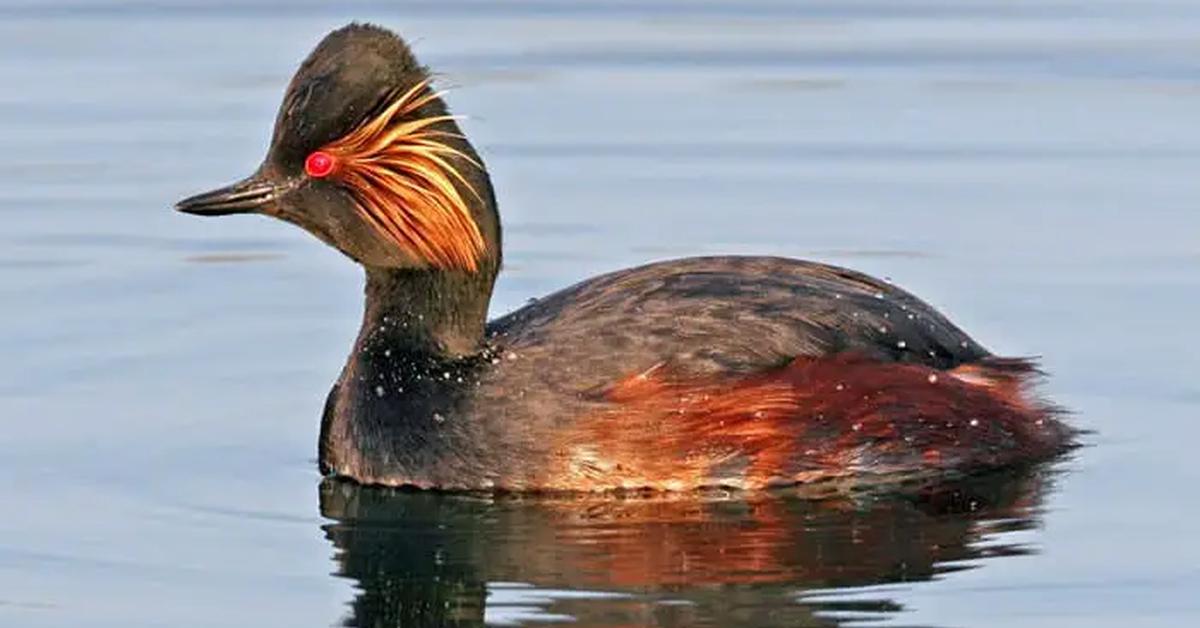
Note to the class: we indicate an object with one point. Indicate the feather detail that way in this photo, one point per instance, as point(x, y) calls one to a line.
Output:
point(406, 184)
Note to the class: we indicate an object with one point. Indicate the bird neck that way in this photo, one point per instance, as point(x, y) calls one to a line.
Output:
point(432, 312)
point(421, 344)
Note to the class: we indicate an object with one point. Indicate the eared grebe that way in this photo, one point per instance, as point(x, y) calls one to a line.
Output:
point(741, 372)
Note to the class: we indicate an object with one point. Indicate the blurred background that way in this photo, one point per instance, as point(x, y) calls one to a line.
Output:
point(1029, 167)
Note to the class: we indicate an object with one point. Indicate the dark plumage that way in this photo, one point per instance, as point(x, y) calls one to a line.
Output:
point(734, 371)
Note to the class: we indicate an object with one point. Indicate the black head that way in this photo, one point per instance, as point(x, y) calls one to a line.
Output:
point(365, 157)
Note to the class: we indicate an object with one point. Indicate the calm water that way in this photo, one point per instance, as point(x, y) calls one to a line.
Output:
point(1030, 167)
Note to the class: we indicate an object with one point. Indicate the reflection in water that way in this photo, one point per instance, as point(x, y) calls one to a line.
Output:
point(423, 559)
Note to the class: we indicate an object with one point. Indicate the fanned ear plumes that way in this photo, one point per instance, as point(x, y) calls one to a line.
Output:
point(402, 176)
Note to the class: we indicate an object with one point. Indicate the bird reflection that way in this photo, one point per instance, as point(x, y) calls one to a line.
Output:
point(422, 559)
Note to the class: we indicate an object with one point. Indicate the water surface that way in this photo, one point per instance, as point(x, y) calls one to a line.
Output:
point(1028, 167)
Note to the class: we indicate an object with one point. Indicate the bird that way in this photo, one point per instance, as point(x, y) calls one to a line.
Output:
point(739, 373)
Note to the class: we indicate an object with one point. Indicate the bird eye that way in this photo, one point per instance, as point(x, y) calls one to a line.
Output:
point(319, 165)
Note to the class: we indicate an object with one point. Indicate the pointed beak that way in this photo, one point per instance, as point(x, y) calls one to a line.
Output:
point(251, 195)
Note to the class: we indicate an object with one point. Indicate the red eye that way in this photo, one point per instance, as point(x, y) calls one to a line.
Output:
point(319, 164)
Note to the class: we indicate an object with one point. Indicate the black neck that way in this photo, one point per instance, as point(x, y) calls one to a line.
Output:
point(422, 333)
point(438, 313)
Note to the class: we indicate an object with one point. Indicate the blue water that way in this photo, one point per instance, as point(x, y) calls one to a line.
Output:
point(1028, 167)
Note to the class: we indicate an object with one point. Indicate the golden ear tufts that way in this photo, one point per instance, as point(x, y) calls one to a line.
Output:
point(404, 180)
